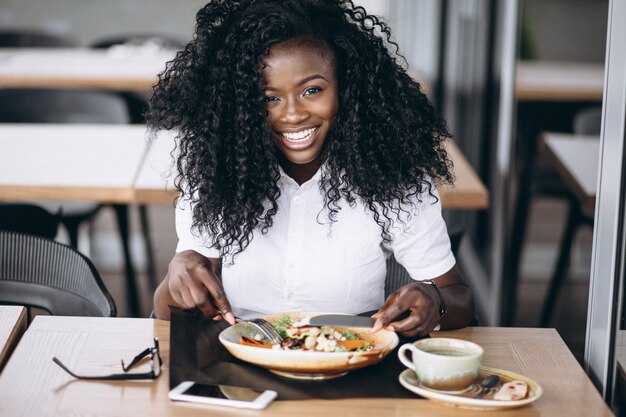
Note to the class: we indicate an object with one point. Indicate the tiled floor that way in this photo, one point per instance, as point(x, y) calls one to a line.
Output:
point(546, 222)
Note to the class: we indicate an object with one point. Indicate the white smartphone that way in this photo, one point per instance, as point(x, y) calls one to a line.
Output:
point(227, 395)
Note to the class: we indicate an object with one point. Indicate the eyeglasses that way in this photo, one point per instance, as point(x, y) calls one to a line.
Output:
point(155, 366)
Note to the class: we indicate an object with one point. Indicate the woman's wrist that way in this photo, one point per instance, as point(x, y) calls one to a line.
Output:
point(440, 299)
point(162, 300)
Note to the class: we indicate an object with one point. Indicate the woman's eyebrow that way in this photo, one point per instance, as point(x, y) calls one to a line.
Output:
point(311, 77)
point(301, 82)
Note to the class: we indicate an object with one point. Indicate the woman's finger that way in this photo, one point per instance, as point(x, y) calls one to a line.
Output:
point(222, 303)
point(392, 308)
point(187, 299)
point(217, 295)
point(417, 323)
point(411, 298)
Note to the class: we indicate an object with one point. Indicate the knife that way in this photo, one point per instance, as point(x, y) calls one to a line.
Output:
point(342, 320)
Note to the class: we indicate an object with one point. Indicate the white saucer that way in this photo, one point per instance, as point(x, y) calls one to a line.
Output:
point(408, 379)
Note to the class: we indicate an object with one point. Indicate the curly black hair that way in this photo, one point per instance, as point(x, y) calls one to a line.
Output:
point(386, 146)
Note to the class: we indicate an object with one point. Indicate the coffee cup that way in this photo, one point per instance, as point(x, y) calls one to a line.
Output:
point(450, 365)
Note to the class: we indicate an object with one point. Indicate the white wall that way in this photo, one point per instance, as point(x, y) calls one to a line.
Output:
point(411, 21)
point(561, 29)
point(88, 20)
point(567, 30)
point(376, 7)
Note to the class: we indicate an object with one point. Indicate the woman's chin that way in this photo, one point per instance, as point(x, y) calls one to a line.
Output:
point(301, 159)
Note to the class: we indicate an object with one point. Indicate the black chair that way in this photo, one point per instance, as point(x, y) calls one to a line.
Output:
point(397, 276)
point(75, 106)
point(33, 39)
point(586, 122)
point(46, 105)
point(540, 179)
point(29, 218)
point(42, 273)
point(160, 40)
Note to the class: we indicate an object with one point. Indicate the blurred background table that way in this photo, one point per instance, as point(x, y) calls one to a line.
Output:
point(70, 162)
point(559, 81)
point(155, 183)
point(468, 191)
point(576, 159)
point(120, 163)
point(31, 384)
point(121, 68)
point(12, 326)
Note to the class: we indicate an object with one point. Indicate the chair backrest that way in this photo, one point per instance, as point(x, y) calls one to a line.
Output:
point(42, 273)
point(29, 218)
point(140, 39)
point(33, 39)
point(588, 121)
point(397, 276)
point(37, 105)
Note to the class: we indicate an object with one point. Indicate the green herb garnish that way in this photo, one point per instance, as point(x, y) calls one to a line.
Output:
point(350, 335)
point(281, 325)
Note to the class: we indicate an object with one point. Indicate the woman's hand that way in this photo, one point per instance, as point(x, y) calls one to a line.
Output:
point(422, 303)
point(421, 300)
point(193, 281)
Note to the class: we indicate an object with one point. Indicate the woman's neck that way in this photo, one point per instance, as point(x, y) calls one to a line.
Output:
point(300, 173)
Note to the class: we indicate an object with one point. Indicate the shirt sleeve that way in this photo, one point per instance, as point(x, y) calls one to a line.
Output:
point(421, 244)
point(189, 238)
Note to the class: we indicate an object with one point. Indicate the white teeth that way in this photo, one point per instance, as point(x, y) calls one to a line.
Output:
point(299, 136)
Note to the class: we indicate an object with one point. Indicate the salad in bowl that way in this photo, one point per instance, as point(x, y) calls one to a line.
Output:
point(308, 352)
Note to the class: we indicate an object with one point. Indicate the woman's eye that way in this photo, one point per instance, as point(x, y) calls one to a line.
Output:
point(267, 99)
point(311, 90)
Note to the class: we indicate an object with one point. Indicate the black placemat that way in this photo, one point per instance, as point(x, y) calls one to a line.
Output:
point(197, 355)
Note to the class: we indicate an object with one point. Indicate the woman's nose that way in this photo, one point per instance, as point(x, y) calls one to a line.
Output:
point(294, 112)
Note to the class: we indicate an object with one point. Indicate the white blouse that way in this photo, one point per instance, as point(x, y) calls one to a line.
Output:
point(305, 263)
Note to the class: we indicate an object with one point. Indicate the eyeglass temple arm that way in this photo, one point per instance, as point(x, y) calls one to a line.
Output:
point(136, 359)
point(65, 368)
point(142, 355)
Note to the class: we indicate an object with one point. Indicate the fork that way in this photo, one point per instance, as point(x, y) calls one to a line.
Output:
point(265, 327)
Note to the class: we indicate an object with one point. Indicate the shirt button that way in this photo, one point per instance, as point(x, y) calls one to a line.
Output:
point(290, 296)
point(296, 199)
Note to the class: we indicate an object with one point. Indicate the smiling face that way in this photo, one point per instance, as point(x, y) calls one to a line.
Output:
point(301, 99)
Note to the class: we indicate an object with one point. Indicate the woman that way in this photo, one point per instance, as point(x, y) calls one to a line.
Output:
point(307, 157)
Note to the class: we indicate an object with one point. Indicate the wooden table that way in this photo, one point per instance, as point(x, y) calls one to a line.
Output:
point(70, 162)
point(119, 164)
point(576, 160)
point(468, 191)
point(32, 384)
point(154, 182)
point(121, 67)
point(559, 81)
point(12, 326)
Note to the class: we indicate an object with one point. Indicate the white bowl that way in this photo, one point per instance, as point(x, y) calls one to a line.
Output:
point(307, 364)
